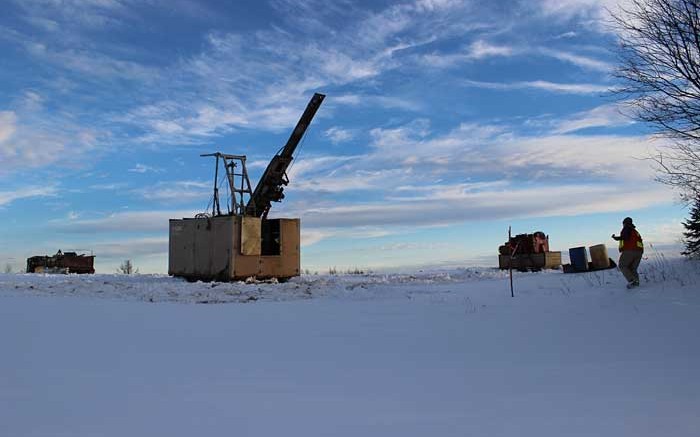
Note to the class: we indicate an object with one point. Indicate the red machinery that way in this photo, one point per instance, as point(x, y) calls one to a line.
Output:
point(524, 244)
point(528, 252)
point(68, 262)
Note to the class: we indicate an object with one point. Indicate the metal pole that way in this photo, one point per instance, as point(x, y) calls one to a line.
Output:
point(510, 264)
point(216, 190)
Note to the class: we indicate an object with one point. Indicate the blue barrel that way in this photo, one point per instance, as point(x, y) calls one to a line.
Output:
point(579, 258)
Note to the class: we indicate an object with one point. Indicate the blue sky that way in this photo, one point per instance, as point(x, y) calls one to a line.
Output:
point(445, 122)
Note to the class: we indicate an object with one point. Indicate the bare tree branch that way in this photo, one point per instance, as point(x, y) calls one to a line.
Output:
point(659, 65)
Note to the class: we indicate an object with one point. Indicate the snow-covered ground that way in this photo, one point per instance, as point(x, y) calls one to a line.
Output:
point(440, 353)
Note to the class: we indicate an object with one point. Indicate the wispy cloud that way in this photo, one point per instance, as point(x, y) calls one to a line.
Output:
point(7, 197)
point(31, 136)
point(244, 89)
point(109, 186)
point(367, 100)
point(477, 50)
point(90, 13)
point(565, 88)
point(481, 49)
point(578, 60)
point(126, 222)
point(143, 168)
point(130, 248)
point(487, 205)
point(8, 125)
point(586, 9)
point(610, 115)
point(566, 35)
point(337, 134)
point(176, 191)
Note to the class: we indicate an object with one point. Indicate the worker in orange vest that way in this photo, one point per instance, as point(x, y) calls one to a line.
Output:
point(631, 251)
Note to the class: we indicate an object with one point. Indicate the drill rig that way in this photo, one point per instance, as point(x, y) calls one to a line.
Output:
point(241, 241)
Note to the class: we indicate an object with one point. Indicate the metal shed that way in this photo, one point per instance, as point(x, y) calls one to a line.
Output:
point(226, 248)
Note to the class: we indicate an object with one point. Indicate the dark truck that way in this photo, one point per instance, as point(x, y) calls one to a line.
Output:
point(68, 262)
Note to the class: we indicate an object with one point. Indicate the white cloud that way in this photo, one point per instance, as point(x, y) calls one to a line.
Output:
point(661, 233)
point(7, 197)
point(566, 88)
point(8, 125)
point(388, 102)
point(338, 135)
point(587, 9)
point(143, 168)
point(478, 50)
point(487, 205)
point(482, 151)
point(433, 5)
point(602, 116)
point(569, 88)
point(311, 165)
point(90, 63)
point(475, 172)
point(578, 60)
point(482, 49)
point(109, 186)
point(178, 191)
point(90, 13)
point(350, 180)
point(313, 236)
point(566, 35)
point(130, 248)
point(37, 138)
point(136, 221)
point(244, 89)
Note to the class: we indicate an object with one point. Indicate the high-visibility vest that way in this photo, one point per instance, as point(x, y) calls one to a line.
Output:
point(633, 243)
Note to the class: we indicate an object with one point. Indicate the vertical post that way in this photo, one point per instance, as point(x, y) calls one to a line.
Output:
point(215, 202)
point(510, 264)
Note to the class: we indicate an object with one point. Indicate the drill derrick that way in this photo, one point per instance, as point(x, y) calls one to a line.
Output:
point(270, 188)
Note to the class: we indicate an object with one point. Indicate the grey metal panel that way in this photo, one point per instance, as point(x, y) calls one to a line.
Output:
point(202, 247)
point(221, 245)
point(181, 250)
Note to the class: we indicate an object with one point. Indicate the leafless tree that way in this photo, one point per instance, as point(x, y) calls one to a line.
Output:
point(8, 268)
point(127, 268)
point(660, 69)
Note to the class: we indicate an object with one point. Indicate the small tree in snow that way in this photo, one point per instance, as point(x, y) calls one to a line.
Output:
point(692, 233)
point(127, 268)
point(8, 268)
